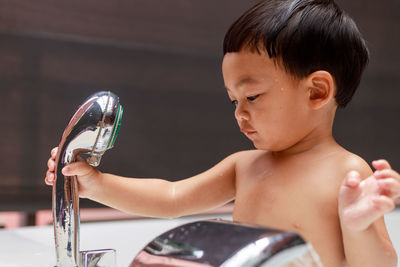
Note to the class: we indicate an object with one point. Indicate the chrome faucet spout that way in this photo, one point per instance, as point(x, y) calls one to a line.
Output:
point(91, 131)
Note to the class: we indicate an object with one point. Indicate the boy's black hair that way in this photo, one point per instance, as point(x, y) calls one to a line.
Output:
point(304, 36)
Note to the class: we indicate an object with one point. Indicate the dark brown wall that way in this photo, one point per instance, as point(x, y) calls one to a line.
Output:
point(163, 59)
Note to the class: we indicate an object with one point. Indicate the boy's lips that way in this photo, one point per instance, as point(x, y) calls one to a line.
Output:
point(247, 131)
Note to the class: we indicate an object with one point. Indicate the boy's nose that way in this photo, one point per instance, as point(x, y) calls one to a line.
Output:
point(241, 113)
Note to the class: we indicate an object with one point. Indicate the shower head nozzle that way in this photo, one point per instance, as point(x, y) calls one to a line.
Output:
point(93, 129)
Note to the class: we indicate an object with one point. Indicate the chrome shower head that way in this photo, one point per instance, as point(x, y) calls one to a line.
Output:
point(91, 131)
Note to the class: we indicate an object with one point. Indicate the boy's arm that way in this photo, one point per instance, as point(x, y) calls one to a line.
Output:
point(362, 205)
point(156, 197)
point(370, 247)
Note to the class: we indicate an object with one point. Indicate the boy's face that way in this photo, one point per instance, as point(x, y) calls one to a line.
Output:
point(271, 106)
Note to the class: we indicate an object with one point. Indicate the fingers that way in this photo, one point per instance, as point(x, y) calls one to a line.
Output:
point(382, 204)
point(53, 152)
point(379, 206)
point(352, 179)
point(388, 179)
point(389, 187)
point(381, 164)
point(389, 182)
point(51, 162)
point(386, 173)
point(49, 179)
point(51, 165)
point(80, 168)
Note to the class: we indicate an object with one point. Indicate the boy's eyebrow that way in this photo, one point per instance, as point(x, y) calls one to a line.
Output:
point(245, 80)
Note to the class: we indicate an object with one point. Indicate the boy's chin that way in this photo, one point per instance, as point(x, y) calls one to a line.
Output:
point(268, 147)
point(261, 146)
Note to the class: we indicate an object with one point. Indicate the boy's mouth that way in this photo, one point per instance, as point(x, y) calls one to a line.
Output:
point(247, 131)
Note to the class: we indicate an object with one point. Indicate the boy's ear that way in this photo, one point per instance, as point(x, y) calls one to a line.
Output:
point(321, 88)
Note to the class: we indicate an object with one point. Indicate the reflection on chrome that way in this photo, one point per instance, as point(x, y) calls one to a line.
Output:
point(167, 247)
point(227, 244)
point(98, 258)
point(91, 131)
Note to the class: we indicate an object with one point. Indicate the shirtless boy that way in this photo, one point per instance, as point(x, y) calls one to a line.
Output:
point(288, 65)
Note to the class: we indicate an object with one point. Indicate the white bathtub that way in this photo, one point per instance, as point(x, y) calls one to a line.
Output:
point(34, 246)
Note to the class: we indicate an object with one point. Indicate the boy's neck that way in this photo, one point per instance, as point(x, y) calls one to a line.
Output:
point(318, 140)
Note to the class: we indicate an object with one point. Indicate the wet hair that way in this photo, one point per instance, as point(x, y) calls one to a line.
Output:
point(304, 36)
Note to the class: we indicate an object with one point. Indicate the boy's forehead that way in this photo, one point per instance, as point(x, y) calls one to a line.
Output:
point(246, 67)
point(251, 67)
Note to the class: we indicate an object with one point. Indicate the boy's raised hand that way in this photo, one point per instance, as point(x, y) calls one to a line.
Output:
point(87, 175)
point(362, 202)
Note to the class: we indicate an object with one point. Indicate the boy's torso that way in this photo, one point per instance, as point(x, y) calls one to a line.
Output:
point(296, 194)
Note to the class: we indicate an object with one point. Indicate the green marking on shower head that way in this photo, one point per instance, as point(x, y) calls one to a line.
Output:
point(117, 125)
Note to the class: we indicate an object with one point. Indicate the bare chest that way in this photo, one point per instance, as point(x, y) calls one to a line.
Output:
point(307, 206)
point(282, 203)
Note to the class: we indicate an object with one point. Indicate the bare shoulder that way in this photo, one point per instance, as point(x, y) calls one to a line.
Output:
point(251, 163)
point(233, 162)
point(246, 154)
point(247, 157)
point(351, 161)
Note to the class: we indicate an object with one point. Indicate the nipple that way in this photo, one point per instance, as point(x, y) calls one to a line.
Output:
point(296, 226)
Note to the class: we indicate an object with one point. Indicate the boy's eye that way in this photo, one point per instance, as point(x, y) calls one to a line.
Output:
point(234, 102)
point(252, 98)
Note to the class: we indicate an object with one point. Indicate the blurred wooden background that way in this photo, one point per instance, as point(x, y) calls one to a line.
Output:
point(163, 58)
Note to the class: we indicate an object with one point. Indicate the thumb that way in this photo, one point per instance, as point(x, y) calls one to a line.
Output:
point(349, 189)
point(80, 168)
point(352, 180)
